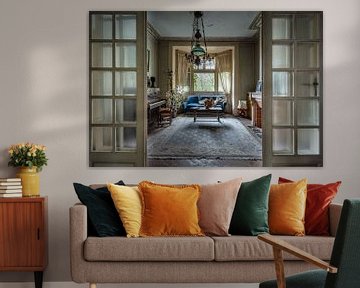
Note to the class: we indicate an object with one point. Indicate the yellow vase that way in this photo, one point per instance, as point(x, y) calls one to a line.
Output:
point(30, 181)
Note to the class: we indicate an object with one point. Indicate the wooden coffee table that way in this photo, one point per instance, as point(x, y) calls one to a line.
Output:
point(207, 112)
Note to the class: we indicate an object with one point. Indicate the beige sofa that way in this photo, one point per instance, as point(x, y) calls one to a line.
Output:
point(234, 259)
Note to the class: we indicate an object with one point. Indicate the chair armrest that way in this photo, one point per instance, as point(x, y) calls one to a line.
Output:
point(284, 246)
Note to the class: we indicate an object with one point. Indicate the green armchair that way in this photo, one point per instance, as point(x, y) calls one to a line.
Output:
point(343, 270)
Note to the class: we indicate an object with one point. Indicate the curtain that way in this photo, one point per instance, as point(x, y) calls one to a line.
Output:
point(224, 67)
point(182, 71)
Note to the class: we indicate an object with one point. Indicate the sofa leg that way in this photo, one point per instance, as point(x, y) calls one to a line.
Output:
point(92, 285)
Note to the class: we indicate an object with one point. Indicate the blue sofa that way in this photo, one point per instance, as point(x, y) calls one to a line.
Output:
point(194, 101)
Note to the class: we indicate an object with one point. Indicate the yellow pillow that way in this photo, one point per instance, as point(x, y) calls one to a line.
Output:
point(127, 201)
point(287, 204)
point(169, 210)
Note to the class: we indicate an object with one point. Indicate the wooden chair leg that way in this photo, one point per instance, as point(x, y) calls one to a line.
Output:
point(92, 285)
point(279, 268)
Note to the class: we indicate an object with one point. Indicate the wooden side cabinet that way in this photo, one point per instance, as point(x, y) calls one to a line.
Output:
point(23, 235)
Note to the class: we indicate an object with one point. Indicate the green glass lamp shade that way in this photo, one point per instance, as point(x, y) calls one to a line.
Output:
point(197, 50)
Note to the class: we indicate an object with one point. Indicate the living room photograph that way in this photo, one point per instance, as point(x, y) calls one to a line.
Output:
point(179, 144)
point(205, 65)
point(205, 88)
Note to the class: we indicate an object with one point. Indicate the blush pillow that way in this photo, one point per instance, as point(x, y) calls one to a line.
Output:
point(216, 206)
point(287, 208)
point(319, 197)
point(169, 210)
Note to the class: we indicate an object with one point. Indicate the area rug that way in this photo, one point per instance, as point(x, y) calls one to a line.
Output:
point(205, 138)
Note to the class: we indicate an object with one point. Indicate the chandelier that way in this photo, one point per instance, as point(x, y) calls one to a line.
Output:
point(198, 54)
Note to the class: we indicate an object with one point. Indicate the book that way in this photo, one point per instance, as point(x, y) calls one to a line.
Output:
point(4, 195)
point(10, 191)
point(10, 180)
point(11, 187)
point(10, 183)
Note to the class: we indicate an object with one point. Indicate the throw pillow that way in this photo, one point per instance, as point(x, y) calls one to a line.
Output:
point(250, 215)
point(127, 201)
point(102, 215)
point(216, 206)
point(169, 210)
point(287, 208)
point(319, 197)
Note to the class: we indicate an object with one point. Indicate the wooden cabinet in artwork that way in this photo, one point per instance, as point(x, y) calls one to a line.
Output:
point(23, 235)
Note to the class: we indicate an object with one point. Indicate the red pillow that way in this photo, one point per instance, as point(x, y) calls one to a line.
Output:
point(319, 197)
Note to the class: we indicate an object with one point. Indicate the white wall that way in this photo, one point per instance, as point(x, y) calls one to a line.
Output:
point(44, 98)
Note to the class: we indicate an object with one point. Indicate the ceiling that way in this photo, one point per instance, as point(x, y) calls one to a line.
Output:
point(217, 23)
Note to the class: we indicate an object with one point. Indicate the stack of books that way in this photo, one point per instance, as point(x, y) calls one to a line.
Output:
point(10, 187)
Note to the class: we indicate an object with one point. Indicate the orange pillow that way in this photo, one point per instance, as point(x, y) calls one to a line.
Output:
point(169, 210)
point(287, 204)
point(318, 199)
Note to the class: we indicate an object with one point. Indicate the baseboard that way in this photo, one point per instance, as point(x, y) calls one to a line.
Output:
point(74, 285)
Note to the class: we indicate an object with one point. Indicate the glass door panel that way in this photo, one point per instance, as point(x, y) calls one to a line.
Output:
point(101, 26)
point(125, 55)
point(307, 27)
point(125, 27)
point(101, 55)
point(125, 110)
point(125, 83)
point(308, 141)
point(101, 111)
point(281, 27)
point(307, 84)
point(282, 84)
point(282, 56)
point(308, 113)
point(101, 139)
point(125, 138)
point(101, 83)
point(283, 141)
point(283, 112)
point(307, 55)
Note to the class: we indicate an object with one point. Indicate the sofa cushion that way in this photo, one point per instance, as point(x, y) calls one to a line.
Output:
point(149, 249)
point(318, 199)
point(216, 205)
point(250, 215)
point(102, 216)
point(127, 201)
point(169, 210)
point(287, 204)
point(245, 248)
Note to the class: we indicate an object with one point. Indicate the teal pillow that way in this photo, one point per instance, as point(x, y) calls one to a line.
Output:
point(103, 218)
point(250, 216)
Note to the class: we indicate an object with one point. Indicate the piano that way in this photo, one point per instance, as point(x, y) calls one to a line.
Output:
point(154, 104)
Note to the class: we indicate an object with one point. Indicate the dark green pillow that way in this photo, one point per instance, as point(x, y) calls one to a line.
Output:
point(250, 216)
point(103, 218)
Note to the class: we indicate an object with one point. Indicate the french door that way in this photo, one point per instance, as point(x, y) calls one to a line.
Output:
point(293, 89)
point(116, 88)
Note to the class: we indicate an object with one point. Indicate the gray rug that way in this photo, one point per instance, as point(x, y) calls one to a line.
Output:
point(210, 139)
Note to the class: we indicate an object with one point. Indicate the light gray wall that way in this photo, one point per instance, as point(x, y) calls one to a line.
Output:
point(44, 98)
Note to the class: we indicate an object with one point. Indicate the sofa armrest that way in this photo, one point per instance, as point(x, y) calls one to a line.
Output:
point(78, 235)
point(334, 217)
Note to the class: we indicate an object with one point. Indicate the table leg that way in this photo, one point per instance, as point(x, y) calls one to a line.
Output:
point(38, 275)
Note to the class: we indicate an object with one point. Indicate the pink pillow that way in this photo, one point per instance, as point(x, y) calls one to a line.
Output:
point(216, 206)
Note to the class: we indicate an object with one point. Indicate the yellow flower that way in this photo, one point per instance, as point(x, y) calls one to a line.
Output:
point(11, 151)
point(28, 154)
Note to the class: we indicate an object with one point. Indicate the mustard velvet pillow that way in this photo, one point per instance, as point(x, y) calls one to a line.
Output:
point(127, 201)
point(287, 204)
point(169, 210)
